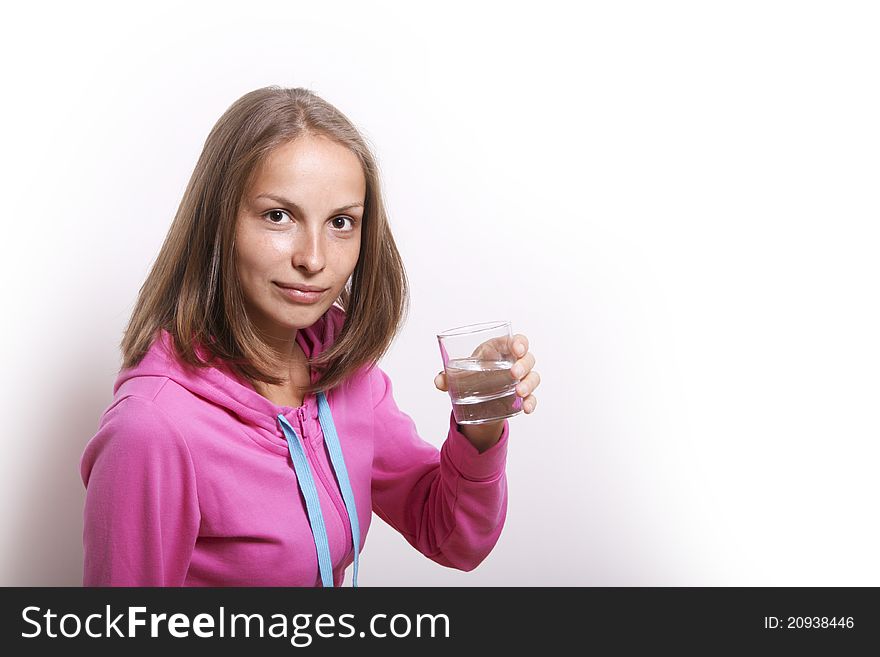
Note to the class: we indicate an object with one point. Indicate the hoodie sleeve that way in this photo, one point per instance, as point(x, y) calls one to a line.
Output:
point(449, 504)
point(141, 516)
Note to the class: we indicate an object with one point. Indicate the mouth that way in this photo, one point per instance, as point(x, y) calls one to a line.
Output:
point(302, 288)
point(302, 294)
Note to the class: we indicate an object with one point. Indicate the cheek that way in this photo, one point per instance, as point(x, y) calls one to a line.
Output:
point(257, 256)
point(247, 266)
point(348, 257)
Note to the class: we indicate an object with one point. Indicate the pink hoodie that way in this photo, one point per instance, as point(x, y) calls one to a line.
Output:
point(189, 480)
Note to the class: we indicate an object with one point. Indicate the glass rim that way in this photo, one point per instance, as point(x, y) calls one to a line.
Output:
point(473, 328)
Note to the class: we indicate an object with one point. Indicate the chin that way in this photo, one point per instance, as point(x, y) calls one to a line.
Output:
point(305, 317)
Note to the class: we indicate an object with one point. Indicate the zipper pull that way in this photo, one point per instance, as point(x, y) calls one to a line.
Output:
point(301, 414)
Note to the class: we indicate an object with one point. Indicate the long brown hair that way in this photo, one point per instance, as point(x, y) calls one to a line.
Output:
point(193, 291)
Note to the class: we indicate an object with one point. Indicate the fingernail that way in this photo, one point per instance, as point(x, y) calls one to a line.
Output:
point(520, 348)
point(516, 370)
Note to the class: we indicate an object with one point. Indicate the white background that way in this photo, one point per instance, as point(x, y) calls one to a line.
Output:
point(676, 202)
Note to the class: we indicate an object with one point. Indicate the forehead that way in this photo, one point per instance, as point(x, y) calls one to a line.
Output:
point(312, 164)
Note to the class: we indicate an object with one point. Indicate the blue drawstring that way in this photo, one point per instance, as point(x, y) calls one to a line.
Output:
point(332, 441)
point(310, 493)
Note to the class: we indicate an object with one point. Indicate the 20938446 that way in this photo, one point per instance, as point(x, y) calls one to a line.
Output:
point(808, 622)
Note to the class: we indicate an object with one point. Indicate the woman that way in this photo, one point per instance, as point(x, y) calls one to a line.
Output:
point(252, 434)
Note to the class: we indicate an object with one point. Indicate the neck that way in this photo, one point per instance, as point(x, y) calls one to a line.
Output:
point(295, 373)
point(287, 353)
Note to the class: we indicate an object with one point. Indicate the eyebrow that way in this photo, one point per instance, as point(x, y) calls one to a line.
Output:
point(291, 204)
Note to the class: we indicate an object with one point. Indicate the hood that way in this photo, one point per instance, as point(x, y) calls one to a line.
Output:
point(218, 383)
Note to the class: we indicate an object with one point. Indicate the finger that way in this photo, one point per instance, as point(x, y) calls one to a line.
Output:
point(494, 349)
point(529, 404)
point(527, 386)
point(523, 366)
point(502, 347)
point(440, 381)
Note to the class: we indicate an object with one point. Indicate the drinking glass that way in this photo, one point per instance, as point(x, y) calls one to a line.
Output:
point(477, 359)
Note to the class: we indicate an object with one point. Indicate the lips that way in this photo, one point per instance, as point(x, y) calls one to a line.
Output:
point(297, 295)
point(302, 288)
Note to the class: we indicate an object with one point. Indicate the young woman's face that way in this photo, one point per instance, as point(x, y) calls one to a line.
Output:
point(299, 224)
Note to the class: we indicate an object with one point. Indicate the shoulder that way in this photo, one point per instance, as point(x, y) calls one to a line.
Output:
point(156, 395)
point(136, 436)
point(379, 384)
point(140, 417)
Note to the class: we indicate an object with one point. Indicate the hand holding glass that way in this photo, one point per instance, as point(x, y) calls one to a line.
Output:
point(477, 359)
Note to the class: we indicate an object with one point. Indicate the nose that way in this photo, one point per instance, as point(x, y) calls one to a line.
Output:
point(308, 250)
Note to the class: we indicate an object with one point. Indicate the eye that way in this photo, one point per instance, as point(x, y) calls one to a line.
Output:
point(272, 214)
point(343, 218)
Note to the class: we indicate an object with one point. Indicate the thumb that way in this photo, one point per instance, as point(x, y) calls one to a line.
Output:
point(440, 381)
